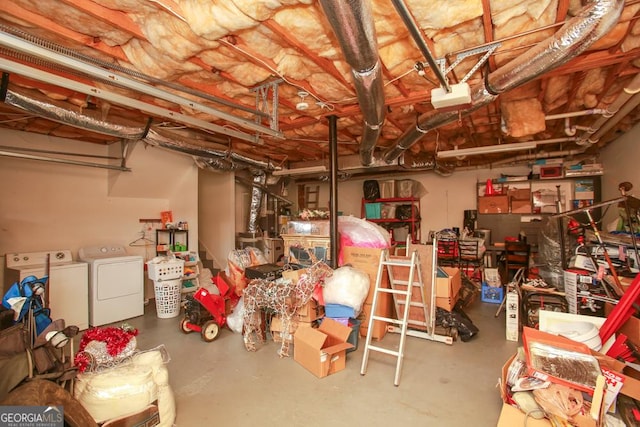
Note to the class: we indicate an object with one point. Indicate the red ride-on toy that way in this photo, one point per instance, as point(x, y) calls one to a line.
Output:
point(206, 312)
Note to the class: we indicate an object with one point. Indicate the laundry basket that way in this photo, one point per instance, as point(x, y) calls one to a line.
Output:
point(167, 298)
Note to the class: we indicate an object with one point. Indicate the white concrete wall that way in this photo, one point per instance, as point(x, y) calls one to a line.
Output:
point(620, 161)
point(443, 199)
point(49, 206)
point(217, 215)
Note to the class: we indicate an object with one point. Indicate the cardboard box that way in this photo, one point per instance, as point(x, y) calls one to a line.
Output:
point(311, 310)
point(493, 204)
point(512, 416)
point(277, 332)
point(448, 283)
point(367, 260)
point(630, 386)
point(520, 193)
point(521, 206)
point(379, 329)
point(630, 328)
point(419, 294)
point(533, 337)
point(322, 351)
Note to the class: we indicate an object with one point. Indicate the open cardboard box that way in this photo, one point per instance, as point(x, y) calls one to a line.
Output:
point(277, 329)
point(322, 351)
point(539, 342)
point(630, 328)
point(448, 284)
point(511, 416)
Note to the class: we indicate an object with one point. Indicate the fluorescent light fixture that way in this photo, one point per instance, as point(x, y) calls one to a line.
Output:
point(300, 171)
point(490, 149)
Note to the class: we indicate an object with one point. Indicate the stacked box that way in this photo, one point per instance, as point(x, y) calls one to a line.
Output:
point(304, 317)
point(367, 260)
point(493, 204)
point(520, 200)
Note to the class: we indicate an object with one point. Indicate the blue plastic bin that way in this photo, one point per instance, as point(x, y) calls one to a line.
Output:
point(338, 311)
point(492, 294)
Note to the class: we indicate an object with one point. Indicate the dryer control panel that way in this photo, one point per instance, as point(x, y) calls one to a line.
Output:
point(103, 251)
point(28, 259)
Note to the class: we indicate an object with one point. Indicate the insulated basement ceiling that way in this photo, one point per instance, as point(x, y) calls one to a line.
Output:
point(247, 82)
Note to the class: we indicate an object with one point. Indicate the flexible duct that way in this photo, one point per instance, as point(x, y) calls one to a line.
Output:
point(51, 111)
point(573, 38)
point(352, 23)
point(256, 199)
point(215, 158)
point(166, 139)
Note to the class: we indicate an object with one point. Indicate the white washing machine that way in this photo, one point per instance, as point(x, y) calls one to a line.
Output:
point(68, 282)
point(116, 284)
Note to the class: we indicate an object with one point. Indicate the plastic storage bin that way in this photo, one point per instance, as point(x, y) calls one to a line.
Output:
point(373, 210)
point(165, 270)
point(168, 293)
point(338, 311)
point(492, 294)
point(354, 335)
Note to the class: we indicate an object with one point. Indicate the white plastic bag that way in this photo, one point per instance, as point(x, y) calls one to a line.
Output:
point(347, 286)
point(235, 319)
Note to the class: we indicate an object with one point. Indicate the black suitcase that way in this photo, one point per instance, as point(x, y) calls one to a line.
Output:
point(264, 271)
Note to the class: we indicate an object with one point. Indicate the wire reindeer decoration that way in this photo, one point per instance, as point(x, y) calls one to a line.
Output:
point(281, 297)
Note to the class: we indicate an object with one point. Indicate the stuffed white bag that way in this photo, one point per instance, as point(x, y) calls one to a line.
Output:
point(347, 286)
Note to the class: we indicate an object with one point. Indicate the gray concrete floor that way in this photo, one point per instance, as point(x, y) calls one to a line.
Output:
point(441, 385)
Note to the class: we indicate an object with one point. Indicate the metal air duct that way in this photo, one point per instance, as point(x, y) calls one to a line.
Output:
point(573, 38)
point(259, 180)
point(353, 25)
point(51, 111)
point(215, 158)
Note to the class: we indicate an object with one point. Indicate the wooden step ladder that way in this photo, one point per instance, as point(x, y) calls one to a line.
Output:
point(312, 197)
point(407, 294)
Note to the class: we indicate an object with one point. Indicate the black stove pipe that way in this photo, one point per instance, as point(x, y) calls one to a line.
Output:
point(333, 186)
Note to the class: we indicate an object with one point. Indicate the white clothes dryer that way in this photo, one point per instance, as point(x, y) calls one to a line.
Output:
point(68, 282)
point(116, 284)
